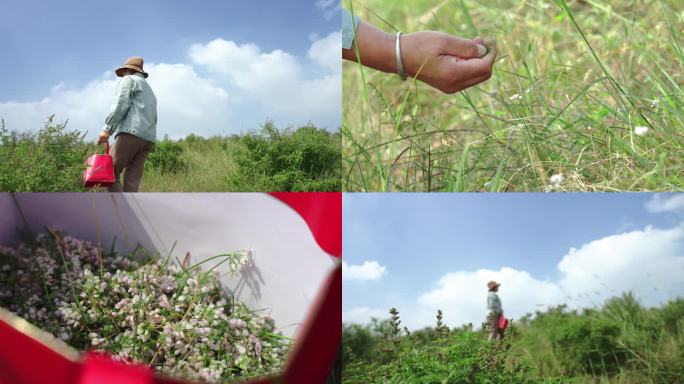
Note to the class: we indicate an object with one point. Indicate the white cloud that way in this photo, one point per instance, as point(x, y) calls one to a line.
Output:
point(245, 87)
point(668, 203)
point(187, 103)
point(247, 66)
point(329, 7)
point(323, 4)
point(369, 270)
point(462, 295)
point(279, 80)
point(86, 108)
point(363, 315)
point(648, 262)
point(326, 52)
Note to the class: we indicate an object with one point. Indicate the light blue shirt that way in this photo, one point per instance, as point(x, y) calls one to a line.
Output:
point(134, 110)
point(349, 25)
point(494, 303)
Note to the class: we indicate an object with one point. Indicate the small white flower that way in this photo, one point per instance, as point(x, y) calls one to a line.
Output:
point(515, 97)
point(556, 179)
point(654, 103)
point(640, 131)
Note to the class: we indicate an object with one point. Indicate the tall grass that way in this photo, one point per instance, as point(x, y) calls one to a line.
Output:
point(572, 82)
point(621, 342)
point(266, 159)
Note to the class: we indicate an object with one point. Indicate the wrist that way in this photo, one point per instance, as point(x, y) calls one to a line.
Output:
point(389, 52)
point(398, 56)
point(405, 47)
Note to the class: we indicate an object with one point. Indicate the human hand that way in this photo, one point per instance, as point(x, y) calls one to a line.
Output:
point(447, 62)
point(104, 137)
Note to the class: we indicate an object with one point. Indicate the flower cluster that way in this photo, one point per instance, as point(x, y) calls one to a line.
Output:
point(37, 278)
point(175, 318)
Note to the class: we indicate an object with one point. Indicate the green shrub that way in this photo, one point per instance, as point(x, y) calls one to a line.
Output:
point(307, 159)
point(359, 342)
point(434, 355)
point(50, 160)
point(167, 158)
point(589, 345)
point(672, 316)
point(621, 342)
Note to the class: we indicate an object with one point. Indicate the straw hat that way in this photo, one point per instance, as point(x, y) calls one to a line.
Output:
point(493, 284)
point(134, 63)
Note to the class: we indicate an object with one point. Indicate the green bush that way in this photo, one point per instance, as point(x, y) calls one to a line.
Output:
point(621, 342)
point(433, 355)
point(589, 345)
point(307, 159)
point(359, 342)
point(167, 158)
point(672, 316)
point(50, 160)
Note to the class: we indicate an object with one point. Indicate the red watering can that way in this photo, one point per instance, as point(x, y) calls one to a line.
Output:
point(503, 322)
point(99, 170)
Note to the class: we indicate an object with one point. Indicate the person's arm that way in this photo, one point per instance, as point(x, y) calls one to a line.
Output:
point(120, 107)
point(376, 48)
point(446, 62)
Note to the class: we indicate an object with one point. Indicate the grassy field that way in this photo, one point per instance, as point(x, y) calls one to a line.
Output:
point(620, 343)
point(267, 159)
point(575, 86)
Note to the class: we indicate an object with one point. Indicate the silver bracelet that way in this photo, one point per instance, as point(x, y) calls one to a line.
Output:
point(400, 65)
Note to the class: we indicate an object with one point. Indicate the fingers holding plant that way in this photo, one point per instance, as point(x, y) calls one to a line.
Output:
point(447, 62)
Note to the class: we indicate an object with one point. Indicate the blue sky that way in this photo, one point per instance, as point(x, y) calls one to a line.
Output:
point(422, 252)
point(64, 50)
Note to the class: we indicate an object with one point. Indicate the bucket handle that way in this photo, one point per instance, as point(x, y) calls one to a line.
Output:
point(97, 149)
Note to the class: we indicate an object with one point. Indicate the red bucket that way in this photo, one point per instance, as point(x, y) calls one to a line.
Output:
point(99, 170)
point(503, 322)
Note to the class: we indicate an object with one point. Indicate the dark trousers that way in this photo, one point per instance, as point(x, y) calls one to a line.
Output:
point(129, 153)
point(494, 332)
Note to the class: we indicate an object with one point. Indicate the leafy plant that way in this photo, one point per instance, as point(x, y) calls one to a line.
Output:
point(452, 357)
point(49, 160)
point(621, 342)
point(307, 159)
point(166, 157)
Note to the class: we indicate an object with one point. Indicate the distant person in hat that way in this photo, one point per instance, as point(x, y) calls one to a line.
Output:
point(495, 310)
point(133, 122)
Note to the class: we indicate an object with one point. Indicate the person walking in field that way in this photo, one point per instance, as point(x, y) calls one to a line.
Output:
point(443, 61)
point(133, 121)
point(495, 311)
